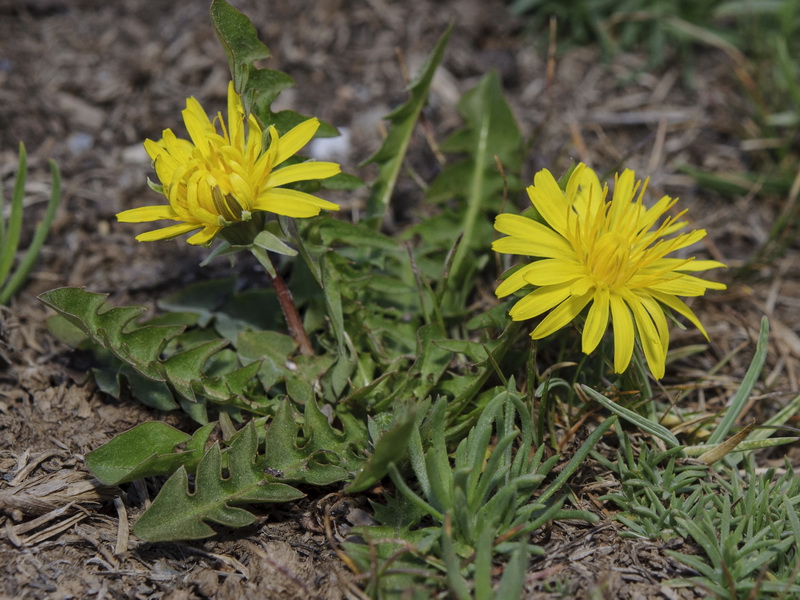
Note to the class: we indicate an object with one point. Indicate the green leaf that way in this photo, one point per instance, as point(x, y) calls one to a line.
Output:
point(155, 394)
point(147, 450)
point(390, 448)
point(431, 364)
point(8, 246)
point(643, 423)
point(432, 360)
point(109, 327)
point(185, 369)
point(333, 299)
point(271, 349)
point(266, 85)
point(455, 581)
point(320, 456)
point(577, 459)
point(143, 349)
point(475, 351)
point(739, 400)
point(252, 309)
point(746, 446)
point(403, 120)
point(269, 241)
point(240, 41)
point(342, 181)
point(257, 87)
point(202, 298)
point(512, 582)
point(65, 331)
point(180, 514)
point(11, 234)
point(491, 132)
point(358, 235)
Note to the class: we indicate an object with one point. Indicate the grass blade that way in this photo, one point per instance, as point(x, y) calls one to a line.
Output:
point(743, 393)
point(455, 581)
point(39, 237)
point(641, 422)
point(577, 459)
point(12, 233)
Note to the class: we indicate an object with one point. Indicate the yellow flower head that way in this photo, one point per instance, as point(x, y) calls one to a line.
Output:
point(610, 255)
point(220, 177)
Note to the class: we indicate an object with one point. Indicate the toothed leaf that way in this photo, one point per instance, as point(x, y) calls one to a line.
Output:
point(320, 456)
point(403, 119)
point(147, 450)
point(178, 513)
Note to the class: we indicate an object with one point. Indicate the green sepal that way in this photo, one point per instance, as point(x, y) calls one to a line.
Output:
point(269, 241)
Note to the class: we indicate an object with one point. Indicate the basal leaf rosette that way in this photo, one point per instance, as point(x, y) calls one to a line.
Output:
point(609, 255)
point(226, 172)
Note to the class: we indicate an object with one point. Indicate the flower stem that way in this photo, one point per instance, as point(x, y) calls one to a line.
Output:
point(293, 320)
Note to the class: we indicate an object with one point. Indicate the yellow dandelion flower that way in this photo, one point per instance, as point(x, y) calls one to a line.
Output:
point(608, 255)
point(221, 177)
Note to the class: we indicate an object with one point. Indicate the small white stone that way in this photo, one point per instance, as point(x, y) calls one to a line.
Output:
point(336, 149)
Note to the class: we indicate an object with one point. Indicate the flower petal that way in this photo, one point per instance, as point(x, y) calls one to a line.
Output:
point(530, 238)
point(624, 186)
point(561, 315)
point(700, 265)
point(656, 312)
point(513, 282)
point(624, 333)
point(292, 203)
point(539, 301)
point(197, 123)
point(153, 149)
point(574, 182)
point(551, 271)
point(303, 172)
point(549, 200)
point(166, 233)
point(204, 236)
point(144, 214)
point(686, 285)
point(679, 306)
point(596, 321)
point(297, 137)
point(649, 337)
point(235, 118)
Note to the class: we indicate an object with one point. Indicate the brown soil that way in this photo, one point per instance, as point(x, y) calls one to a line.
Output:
point(85, 81)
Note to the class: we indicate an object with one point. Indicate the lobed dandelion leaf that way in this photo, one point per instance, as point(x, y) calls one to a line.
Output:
point(147, 450)
point(314, 453)
point(178, 513)
point(149, 361)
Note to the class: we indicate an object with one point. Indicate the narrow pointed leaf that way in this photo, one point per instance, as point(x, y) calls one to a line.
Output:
point(390, 448)
point(403, 120)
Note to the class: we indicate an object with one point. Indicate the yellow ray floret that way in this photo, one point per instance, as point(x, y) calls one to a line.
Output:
point(226, 171)
point(609, 255)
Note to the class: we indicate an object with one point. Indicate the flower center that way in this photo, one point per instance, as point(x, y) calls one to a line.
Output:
point(227, 207)
point(609, 260)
